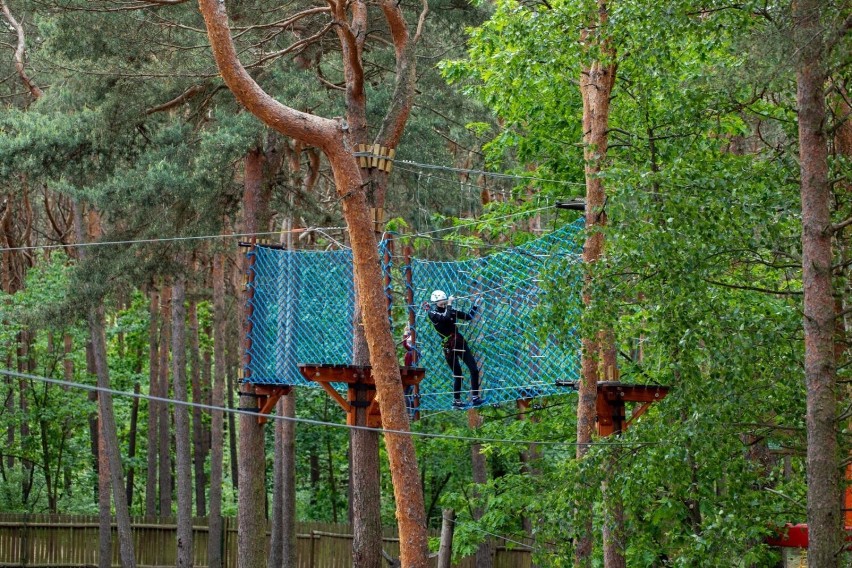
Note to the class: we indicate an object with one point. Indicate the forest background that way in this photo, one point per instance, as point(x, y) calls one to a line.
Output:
point(118, 128)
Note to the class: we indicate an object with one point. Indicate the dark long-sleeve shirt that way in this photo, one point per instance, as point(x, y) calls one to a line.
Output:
point(445, 319)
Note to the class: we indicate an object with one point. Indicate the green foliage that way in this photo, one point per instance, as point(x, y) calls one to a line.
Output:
point(701, 281)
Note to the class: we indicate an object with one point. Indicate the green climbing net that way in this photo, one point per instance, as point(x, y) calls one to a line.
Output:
point(303, 304)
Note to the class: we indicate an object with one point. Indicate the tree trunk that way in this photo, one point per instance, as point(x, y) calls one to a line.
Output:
point(104, 509)
point(163, 419)
point(479, 469)
point(108, 429)
point(25, 364)
point(448, 525)
point(131, 445)
point(94, 423)
point(288, 506)
point(276, 527)
point(824, 489)
point(252, 461)
point(334, 138)
point(153, 406)
point(182, 428)
point(614, 545)
point(596, 82)
point(286, 428)
point(233, 356)
point(365, 493)
point(214, 542)
point(283, 529)
point(198, 446)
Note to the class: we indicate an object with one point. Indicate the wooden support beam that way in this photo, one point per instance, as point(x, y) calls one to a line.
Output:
point(612, 396)
point(336, 396)
point(267, 397)
point(355, 379)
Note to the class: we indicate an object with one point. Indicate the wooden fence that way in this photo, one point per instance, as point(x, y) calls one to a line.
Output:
point(71, 541)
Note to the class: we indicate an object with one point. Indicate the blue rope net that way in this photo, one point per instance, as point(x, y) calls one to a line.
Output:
point(303, 308)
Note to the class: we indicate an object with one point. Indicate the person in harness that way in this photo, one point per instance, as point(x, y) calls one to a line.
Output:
point(444, 317)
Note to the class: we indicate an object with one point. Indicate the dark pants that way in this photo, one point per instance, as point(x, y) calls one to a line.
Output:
point(456, 349)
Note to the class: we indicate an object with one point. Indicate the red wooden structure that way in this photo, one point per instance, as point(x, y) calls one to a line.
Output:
point(612, 396)
point(361, 387)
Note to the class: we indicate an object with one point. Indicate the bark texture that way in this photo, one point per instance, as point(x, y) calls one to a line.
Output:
point(217, 421)
point(448, 525)
point(333, 137)
point(824, 490)
point(596, 82)
point(199, 448)
point(182, 433)
point(164, 416)
point(479, 470)
point(108, 430)
point(153, 411)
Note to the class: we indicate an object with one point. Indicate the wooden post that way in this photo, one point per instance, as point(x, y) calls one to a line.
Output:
point(445, 552)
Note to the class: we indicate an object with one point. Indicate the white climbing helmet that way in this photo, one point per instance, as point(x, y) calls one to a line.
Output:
point(438, 296)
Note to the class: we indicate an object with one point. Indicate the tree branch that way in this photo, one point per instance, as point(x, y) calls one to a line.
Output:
point(312, 129)
point(186, 95)
point(421, 22)
point(284, 23)
point(841, 225)
point(754, 288)
point(35, 91)
point(402, 100)
point(295, 46)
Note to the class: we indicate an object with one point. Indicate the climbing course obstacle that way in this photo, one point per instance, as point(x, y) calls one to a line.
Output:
point(302, 309)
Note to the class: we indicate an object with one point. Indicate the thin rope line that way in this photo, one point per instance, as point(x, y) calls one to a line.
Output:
point(480, 221)
point(569, 389)
point(485, 173)
point(452, 181)
point(476, 527)
point(171, 239)
point(308, 421)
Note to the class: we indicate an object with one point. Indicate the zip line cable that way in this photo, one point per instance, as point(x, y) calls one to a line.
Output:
point(308, 421)
point(321, 230)
point(496, 175)
point(171, 239)
point(478, 222)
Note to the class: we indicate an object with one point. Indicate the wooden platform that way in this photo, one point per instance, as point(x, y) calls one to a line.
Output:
point(361, 388)
point(613, 395)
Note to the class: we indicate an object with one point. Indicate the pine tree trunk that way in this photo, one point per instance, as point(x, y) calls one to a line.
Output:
point(479, 470)
point(198, 446)
point(108, 429)
point(252, 461)
point(336, 140)
point(288, 506)
point(131, 444)
point(824, 488)
point(68, 365)
point(276, 525)
point(182, 427)
point(448, 525)
point(104, 508)
point(364, 472)
point(94, 425)
point(153, 406)
point(286, 429)
point(164, 418)
point(233, 357)
point(217, 440)
point(614, 545)
point(596, 82)
point(24, 366)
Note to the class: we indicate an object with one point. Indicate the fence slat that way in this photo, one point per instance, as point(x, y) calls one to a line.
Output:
point(66, 541)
